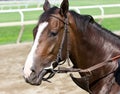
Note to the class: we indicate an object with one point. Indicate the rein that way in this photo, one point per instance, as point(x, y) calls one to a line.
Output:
point(88, 70)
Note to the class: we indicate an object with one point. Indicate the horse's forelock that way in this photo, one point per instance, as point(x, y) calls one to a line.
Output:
point(45, 16)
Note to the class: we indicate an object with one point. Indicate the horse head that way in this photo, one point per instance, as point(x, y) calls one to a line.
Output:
point(50, 42)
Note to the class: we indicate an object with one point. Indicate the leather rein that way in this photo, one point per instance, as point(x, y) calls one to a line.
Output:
point(87, 71)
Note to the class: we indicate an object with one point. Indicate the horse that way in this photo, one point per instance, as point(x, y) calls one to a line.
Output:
point(63, 34)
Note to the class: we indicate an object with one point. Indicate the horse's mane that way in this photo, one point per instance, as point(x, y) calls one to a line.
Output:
point(44, 17)
point(82, 22)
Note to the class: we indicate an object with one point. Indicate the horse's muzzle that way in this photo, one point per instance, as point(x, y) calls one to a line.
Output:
point(36, 79)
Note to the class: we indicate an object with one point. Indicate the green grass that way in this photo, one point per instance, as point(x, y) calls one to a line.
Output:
point(94, 11)
point(92, 2)
point(10, 34)
point(28, 33)
point(15, 17)
point(112, 24)
point(9, 17)
point(34, 15)
point(115, 10)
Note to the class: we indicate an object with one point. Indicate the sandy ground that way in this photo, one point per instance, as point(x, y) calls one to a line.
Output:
point(12, 58)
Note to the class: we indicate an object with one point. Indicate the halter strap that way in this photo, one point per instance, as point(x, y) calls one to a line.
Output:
point(65, 37)
point(59, 19)
point(88, 70)
point(59, 55)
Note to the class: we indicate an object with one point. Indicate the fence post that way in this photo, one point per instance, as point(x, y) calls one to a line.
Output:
point(102, 14)
point(77, 10)
point(22, 27)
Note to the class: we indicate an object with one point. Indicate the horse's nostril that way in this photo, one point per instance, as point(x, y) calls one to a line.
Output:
point(26, 80)
point(33, 69)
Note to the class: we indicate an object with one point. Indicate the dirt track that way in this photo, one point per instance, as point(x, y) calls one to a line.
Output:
point(12, 59)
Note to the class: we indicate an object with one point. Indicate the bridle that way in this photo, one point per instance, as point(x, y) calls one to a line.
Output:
point(55, 64)
point(65, 37)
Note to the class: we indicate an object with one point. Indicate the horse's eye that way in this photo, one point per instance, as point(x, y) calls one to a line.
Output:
point(52, 34)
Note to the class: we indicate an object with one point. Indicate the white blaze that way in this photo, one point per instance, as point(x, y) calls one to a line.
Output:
point(30, 59)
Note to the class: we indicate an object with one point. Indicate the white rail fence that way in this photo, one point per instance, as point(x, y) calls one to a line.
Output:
point(76, 8)
point(10, 6)
point(25, 3)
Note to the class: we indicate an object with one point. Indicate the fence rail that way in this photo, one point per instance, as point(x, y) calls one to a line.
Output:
point(14, 5)
point(76, 8)
point(25, 3)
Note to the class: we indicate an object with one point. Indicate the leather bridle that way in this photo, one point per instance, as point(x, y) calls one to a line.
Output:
point(57, 62)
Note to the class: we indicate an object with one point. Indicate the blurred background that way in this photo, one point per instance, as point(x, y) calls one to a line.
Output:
point(18, 17)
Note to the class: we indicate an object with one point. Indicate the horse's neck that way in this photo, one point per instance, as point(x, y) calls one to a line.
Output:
point(93, 48)
point(105, 40)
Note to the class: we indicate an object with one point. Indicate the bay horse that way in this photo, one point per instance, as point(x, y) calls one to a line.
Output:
point(64, 34)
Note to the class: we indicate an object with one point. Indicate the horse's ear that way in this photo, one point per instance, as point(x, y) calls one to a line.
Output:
point(64, 8)
point(46, 5)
